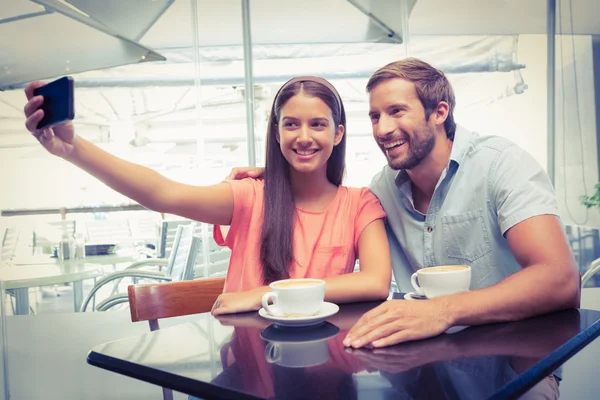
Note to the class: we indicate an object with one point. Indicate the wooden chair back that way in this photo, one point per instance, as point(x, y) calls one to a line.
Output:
point(151, 302)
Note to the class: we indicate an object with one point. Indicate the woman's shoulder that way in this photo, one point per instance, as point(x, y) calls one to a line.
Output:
point(247, 190)
point(354, 192)
point(357, 198)
point(363, 205)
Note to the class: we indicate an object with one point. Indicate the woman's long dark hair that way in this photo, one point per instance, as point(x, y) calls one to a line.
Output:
point(277, 236)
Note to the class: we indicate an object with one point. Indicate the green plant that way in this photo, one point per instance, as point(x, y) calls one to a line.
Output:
point(593, 200)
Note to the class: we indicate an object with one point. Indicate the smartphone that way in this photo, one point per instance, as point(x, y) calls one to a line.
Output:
point(58, 103)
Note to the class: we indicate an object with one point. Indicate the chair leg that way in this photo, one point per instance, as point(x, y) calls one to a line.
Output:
point(167, 394)
point(594, 268)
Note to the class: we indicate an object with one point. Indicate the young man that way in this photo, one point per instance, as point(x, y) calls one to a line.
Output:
point(454, 197)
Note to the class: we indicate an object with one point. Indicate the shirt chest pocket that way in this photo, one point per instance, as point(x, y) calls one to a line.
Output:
point(466, 236)
point(332, 260)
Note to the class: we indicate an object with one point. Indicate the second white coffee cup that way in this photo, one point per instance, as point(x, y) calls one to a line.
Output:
point(294, 297)
point(441, 280)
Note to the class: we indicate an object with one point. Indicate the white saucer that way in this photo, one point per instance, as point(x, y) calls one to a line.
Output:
point(414, 296)
point(327, 310)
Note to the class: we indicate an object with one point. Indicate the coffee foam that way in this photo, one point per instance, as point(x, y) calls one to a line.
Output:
point(289, 284)
point(444, 268)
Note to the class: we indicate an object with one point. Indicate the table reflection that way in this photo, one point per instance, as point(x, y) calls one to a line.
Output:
point(474, 363)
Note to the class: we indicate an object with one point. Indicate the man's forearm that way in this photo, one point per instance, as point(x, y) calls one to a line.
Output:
point(535, 290)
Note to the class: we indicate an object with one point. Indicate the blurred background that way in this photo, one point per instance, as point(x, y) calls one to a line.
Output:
point(184, 87)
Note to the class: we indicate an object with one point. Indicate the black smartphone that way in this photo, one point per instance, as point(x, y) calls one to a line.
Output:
point(58, 103)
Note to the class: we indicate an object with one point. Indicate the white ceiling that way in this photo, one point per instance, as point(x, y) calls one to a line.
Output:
point(98, 107)
point(428, 17)
point(285, 21)
point(502, 17)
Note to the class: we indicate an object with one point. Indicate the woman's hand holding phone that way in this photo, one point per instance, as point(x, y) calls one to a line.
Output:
point(59, 140)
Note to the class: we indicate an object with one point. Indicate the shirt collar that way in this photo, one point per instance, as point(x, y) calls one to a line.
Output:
point(460, 145)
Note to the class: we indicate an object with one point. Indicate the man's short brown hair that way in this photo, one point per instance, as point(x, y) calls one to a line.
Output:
point(431, 84)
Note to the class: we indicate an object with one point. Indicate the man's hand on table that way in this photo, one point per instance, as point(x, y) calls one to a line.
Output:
point(397, 321)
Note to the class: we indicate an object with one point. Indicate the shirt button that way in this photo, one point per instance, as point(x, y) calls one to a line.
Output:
point(429, 229)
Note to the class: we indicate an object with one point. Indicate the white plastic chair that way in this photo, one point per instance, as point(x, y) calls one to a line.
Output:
point(180, 266)
point(594, 268)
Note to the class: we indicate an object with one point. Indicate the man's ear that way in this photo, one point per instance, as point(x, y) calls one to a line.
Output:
point(440, 113)
point(339, 135)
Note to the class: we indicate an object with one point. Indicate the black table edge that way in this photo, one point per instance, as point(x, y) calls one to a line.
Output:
point(548, 364)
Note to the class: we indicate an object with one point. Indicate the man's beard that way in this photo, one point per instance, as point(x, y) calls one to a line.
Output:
point(419, 147)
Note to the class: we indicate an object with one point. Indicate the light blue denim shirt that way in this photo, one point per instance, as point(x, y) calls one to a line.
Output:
point(489, 185)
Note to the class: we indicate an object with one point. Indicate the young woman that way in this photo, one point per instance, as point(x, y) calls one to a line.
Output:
point(297, 222)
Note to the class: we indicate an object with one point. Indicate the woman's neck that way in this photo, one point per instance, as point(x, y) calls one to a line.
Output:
point(312, 191)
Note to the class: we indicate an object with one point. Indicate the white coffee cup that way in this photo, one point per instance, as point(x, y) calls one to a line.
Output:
point(441, 280)
point(295, 297)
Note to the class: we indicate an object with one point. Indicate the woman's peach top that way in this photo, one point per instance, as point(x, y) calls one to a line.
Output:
point(325, 243)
